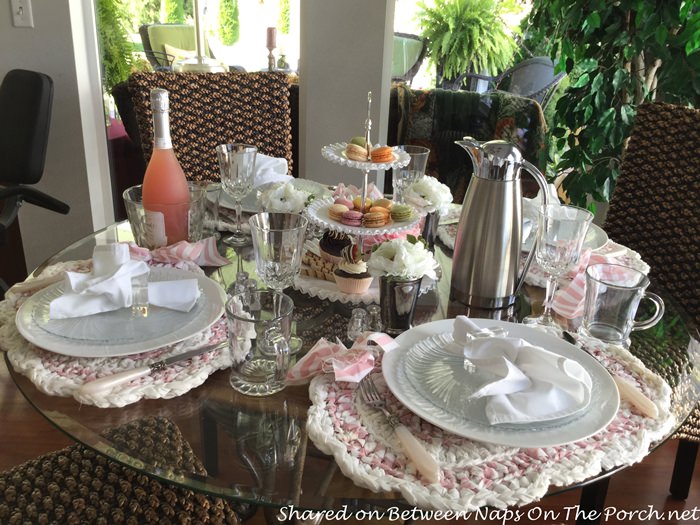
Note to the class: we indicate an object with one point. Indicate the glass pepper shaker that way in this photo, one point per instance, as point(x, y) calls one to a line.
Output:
point(374, 323)
point(357, 324)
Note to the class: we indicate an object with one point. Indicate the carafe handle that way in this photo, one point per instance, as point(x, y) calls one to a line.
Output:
point(542, 182)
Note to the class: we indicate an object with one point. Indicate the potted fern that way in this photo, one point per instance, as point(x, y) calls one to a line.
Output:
point(466, 36)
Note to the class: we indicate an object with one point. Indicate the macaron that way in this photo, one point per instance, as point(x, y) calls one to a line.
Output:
point(352, 218)
point(374, 219)
point(401, 212)
point(359, 141)
point(355, 152)
point(384, 203)
point(357, 203)
point(382, 154)
point(336, 211)
point(345, 202)
point(379, 209)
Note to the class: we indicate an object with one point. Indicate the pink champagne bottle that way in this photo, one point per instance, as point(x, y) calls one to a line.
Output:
point(166, 193)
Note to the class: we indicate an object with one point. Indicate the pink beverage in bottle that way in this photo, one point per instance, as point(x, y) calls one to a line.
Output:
point(166, 195)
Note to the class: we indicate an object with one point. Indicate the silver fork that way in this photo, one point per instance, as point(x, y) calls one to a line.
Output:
point(425, 463)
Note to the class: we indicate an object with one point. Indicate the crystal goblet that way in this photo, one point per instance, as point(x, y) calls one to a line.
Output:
point(237, 169)
point(278, 242)
point(561, 231)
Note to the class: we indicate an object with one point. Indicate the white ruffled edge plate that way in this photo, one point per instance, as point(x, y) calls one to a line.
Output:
point(336, 154)
point(318, 212)
point(329, 290)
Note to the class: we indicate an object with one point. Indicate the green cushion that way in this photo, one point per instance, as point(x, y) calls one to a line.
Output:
point(406, 53)
point(180, 36)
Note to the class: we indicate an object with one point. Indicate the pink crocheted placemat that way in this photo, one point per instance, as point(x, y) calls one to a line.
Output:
point(61, 375)
point(474, 474)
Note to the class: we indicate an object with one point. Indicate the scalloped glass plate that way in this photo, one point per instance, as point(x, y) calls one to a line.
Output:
point(118, 333)
point(329, 290)
point(604, 394)
point(250, 204)
point(442, 378)
point(336, 154)
point(318, 212)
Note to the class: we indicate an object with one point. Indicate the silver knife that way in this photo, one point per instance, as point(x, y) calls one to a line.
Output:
point(110, 381)
point(627, 390)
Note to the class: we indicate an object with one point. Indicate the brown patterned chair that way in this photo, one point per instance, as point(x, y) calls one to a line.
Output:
point(78, 485)
point(655, 210)
point(208, 109)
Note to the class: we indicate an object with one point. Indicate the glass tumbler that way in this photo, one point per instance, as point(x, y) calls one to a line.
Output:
point(259, 327)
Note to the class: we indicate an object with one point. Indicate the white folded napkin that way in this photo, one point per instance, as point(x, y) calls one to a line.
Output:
point(109, 286)
point(533, 384)
point(270, 169)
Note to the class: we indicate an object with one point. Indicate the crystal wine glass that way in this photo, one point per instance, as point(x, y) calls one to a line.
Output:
point(278, 242)
point(412, 172)
point(560, 234)
point(237, 168)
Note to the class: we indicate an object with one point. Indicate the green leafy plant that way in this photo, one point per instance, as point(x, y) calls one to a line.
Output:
point(229, 25)
point(116, 49)
point(174, 12)
point(466, 35)
point(618, 55)
point(283, 20)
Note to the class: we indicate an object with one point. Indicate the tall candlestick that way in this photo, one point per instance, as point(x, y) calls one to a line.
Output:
point(271, 38)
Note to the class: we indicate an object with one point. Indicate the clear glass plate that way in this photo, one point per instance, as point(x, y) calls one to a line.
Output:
point(336, 154)
point(117, 333)
point(442, 378)
point(318, 212)
point(604, 395)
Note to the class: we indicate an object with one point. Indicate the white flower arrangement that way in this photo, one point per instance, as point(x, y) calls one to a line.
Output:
point(403, 258)
point(283, 197)
point(429, 194)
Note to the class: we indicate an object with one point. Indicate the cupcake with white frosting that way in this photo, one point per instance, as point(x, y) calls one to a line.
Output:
point(352, 276)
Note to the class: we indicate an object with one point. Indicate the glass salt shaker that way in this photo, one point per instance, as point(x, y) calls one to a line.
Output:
point(357, 324)
point(375, 318)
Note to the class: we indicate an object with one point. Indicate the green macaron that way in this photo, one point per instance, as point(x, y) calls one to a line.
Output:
point(401, 212)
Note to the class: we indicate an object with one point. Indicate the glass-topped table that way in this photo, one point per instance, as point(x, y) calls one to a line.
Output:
point(256, 450)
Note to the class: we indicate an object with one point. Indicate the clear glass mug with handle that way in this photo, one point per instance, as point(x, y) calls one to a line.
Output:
point(613, 294)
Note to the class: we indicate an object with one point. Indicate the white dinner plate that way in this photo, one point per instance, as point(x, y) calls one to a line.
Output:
point(249, 204)
point(119, 333)
point(604, 403)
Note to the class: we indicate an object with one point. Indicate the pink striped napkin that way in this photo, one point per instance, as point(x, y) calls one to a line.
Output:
point(569, 300)
point(202, 253)
point(347, 364)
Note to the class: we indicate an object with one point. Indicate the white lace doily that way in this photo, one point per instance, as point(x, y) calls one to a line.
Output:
point(475, 474)
point(60, 375)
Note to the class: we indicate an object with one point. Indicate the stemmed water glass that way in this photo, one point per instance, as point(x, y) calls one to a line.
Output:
point(237, 168)
point(560, 234)
point(412, 172)
point(278, 242)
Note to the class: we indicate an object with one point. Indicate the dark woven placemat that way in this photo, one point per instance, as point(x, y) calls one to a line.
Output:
point(79, 486)
point(208, 109)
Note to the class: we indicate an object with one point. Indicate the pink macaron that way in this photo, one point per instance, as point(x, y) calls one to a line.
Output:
point(352, 218)
point(344, 202)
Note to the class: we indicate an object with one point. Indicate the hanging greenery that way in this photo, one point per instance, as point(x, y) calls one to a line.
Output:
point(114, 42)
point(618, 55)
point(229, 25)
point(466, 35)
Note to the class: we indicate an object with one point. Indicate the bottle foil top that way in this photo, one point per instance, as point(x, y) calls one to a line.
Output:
point(159, 100)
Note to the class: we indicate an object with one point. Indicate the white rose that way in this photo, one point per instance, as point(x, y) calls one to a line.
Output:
point(429, 194)
point(401, 258)
point(284, 198)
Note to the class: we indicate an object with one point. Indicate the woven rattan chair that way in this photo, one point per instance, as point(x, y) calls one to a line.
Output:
point(209, 109)
point(655, 210)
point(78, 485)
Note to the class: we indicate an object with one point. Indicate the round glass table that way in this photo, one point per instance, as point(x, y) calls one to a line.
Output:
point(256, 450)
